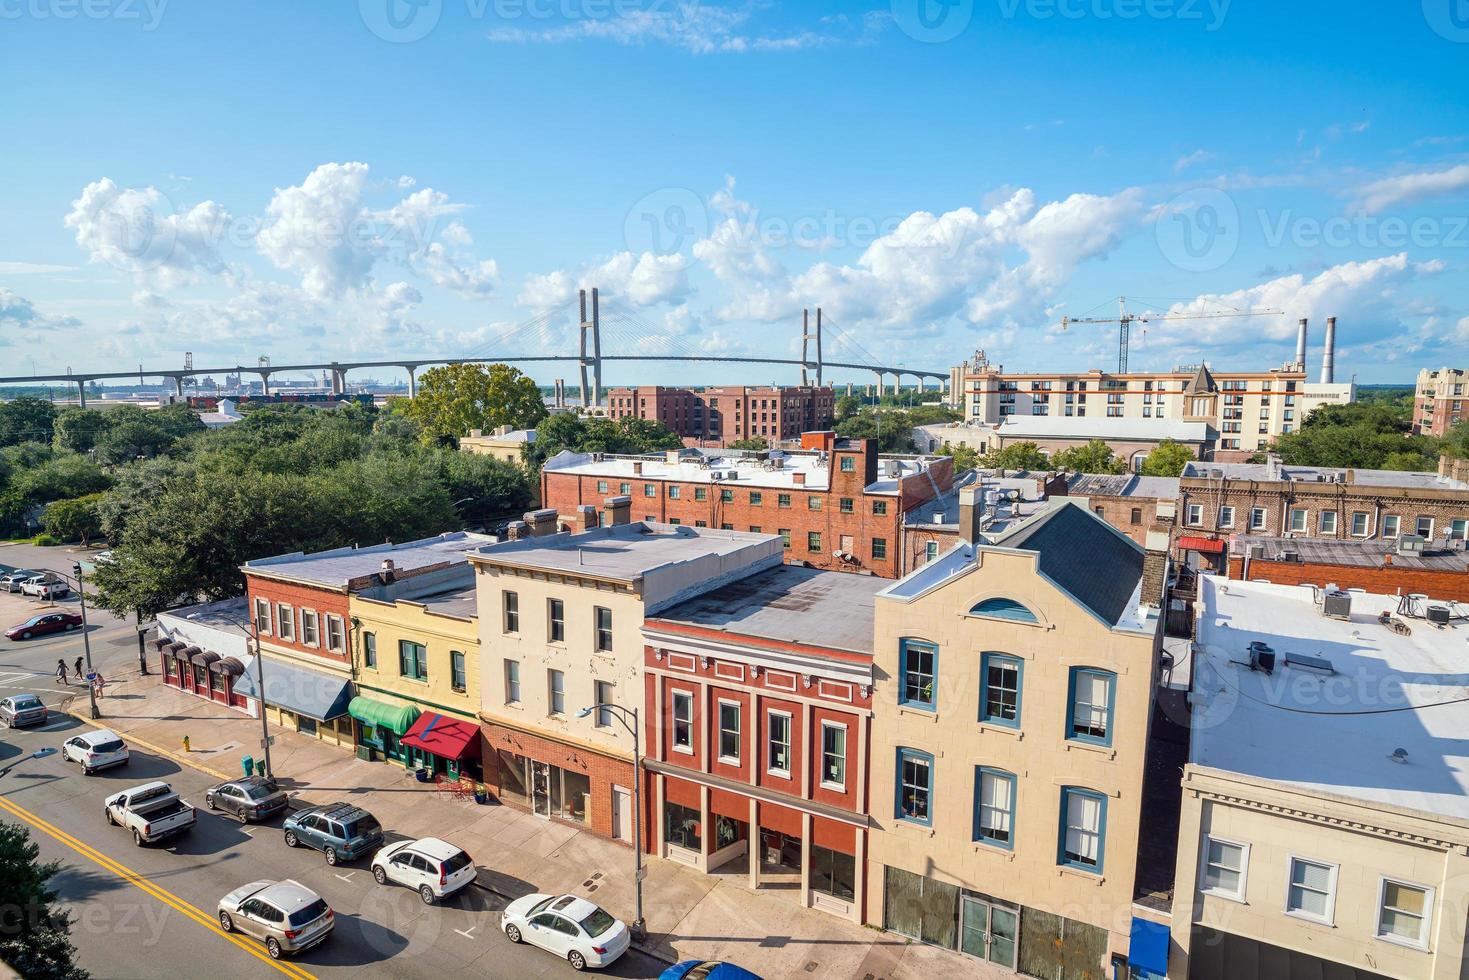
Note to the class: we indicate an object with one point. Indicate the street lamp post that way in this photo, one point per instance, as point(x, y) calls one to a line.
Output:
point(639, 929)
point(95, 713)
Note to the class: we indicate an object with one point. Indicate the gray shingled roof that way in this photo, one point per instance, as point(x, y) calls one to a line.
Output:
point(1082, 554)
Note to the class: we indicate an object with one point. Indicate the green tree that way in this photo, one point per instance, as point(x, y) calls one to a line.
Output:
point(1168, 458)
point(26, 419)
point(456, 398)
point(754, 442)
point(595, 434)
point(74, 520)
point(891, 427)
point(1017, 456)
point(60, 478)
point(484, 488)
point(35, 934)
point(846, 406)
point(965, 457)
point(1094, 456)
point(78, 429)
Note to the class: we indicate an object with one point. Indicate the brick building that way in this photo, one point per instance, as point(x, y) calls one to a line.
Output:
point(1132, 504)
point(836, 503)
point(1438, 400)
point(759, 700)
point(721, 415)
point(1372, 566)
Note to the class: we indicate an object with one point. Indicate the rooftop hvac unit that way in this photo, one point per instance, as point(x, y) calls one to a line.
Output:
point(1438, 615)
point(1262, 657)
point(1412, 544)
point(1337, 604)
point(1289, 554)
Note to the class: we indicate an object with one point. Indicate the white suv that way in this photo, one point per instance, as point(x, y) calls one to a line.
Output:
point(101, 749)
point(434, 868)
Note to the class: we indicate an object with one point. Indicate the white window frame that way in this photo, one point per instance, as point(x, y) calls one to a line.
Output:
point(1244, 870)
point(1194, 515)
point(603, 716)
point(1321, 521)
point(336, 633)
point(1428, 896)
point(555, 687)
point(821, 761)
point(1418, 522)
point(512, 681)
point(1395, 521)
point(1262, 523)
point(262, 622)
point(285, 616)
point(687, 697)
point(1366, 531)
point(1330, 918)
point(739, 731)
point(1226, 516)
point(310, 637)
point(770, 740)
point(1290, 517)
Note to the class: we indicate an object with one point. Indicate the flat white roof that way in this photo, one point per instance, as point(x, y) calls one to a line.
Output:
point(1314, 474)
point(1332, 732)
point(1101, 427)
point(732, 470)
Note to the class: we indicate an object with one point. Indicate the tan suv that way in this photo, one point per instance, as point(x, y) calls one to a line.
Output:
point(286, 914)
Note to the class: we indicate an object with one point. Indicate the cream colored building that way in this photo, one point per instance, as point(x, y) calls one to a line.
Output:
point(560, 619)
point(1013, 693)
point(1325, 821)
point(503, 443)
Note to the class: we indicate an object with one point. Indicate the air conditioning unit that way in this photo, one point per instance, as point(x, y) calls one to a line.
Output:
point(1262, 657)
point(1438, 615)
point(1337, 604)
point(1412, 544)
point(1289, 554)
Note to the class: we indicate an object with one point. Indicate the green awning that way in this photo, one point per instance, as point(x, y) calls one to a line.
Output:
point(397, 718)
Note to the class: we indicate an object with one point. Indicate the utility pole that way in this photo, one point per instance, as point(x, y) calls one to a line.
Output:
point(93, 712)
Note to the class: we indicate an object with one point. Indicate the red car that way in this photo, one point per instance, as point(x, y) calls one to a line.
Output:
point(56, 622)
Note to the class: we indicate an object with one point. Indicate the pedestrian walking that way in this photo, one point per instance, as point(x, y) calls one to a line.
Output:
point(99, 684)
point(61, 672)
point(77, 667)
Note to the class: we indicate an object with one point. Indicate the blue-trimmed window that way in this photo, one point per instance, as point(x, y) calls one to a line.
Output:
point(918, 671)
point(915, 787)
point(1004, 609)
point(994, 807)
point(1083, 839)
point(999, 690)
point(1089, 705)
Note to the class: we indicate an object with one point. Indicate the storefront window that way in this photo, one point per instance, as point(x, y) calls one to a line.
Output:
point(577, 789)
point(306, 726)
point(727, 831)
point(833, 873)
point(681, 826)
point(513, 777)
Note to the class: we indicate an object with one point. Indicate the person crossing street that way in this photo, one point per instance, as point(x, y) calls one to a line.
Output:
point(61, 672)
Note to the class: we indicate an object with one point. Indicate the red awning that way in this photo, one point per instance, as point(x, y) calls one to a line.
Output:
point(1211, 546)
point(447, 738)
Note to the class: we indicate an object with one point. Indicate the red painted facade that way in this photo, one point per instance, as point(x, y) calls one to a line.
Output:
point(1385, 579)
point(300, 599)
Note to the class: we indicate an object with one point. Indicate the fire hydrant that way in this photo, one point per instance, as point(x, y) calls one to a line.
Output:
point(186, 743)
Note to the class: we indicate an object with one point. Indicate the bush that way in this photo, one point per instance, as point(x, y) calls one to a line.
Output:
point(45, 541)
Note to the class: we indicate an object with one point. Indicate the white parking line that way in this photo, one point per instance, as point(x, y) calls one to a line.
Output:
point(346, 877)
point(467, 934)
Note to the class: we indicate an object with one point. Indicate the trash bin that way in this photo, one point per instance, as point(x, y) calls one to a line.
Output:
point(247, 764)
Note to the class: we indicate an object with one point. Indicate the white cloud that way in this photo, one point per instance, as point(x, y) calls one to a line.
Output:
point(640, 280)
point(137, 232)
point(1191, 159)
point(1378, 196)
point(698, 28)
point(474, 280)
point(17, 312)
point(319, 230)
point(545, 292)
point(32, 269)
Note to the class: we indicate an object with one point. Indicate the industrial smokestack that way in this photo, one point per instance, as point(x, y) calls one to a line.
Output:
point(1328, 356)
point(1301, 345)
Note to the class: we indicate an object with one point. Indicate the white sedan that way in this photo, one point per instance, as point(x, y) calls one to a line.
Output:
point(568, 926)
point(101, 749)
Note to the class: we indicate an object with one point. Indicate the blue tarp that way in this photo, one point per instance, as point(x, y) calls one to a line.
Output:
point(314, 693)
point(1149, 947)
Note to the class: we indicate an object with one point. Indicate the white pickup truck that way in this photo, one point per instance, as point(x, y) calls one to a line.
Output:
point(151, 811)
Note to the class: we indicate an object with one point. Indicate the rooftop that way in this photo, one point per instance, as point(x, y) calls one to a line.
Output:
point(790, 604)
point(515, 435)
point(1354, 552)
point(1101, 427)
point(1124, 485)
point(1004, 501)
point(345, 568)
point(777, 469)
point(1275, 471)
point(1305, 726)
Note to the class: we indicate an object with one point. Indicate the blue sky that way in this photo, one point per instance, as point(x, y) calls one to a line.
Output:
point(374, 178)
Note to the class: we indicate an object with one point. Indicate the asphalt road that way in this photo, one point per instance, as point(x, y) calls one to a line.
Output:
point(150, 911)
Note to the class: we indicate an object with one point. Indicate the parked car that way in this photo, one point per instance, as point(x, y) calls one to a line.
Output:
point(434, 868)
point(101, 749)
point(571, 927)
point(706, 970)
point(152, 812)
point(102, 558)
point(42, 588)
point(20, 710)
point(251, 798)
point(341, 831)
point(286, 914)
point(44, 623)
point(11, 580)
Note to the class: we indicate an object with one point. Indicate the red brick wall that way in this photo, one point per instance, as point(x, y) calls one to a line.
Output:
point(1389, 580)
point(300, 597)
point(602, 771)
point(662, 723)
point(763, 776)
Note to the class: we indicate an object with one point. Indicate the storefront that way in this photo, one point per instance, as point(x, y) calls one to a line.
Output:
point(298, 698)
point(381, 727)
point(559, 781)
point(444, 746)
point(200, 672)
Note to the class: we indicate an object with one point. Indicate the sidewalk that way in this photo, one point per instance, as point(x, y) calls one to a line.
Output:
point(689, 915)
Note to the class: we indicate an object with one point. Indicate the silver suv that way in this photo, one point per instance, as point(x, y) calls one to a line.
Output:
point(286, 914)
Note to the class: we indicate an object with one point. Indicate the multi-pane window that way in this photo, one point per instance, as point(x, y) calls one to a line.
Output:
point(849, 464)
point(930, 551)
point(1312, 890)
point(285, 621)
point(999, 696)
point(556, 688)
point(756, 498)
point(919, 671)
point(456, 671)
point(879, 549)
point(512, 612)
point(1390, 525)
point(1360, 525)
point(915, 786)
point(262, 616)
point(813, 503)
point(1090, 717)
point(335, 639)
point(833, 755)
point(1328, 522)
point(624, 488)
point(994, 807)
point(701, 493)
point(512, 682)
point(1257, 518)
point(845, 505)
point(1226, 517)
point(1195, 514)
point(675, 492)
point(1298, 519)
point(412, 660)
point(785, 537)
point(726, 496)
point(604, 628)
point(1083, 828)
point(879, 508)
point(650, 489)
point(1425, 527)
point(778, 753)
point(1225, 866)
point(309, 635)
point(683, 721)
point(783, 500)
point(1403, 912)
point(813, 540)
point(729, 732)
point(369, 650)
point(556, 615)
point(602, 690)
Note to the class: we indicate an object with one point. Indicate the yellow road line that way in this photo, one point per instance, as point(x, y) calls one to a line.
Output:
point(143, 884)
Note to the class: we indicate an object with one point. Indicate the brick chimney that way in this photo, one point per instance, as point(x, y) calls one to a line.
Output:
point(617, 510)
point(516, 530)
point(585, 519)
point(970, 505)
point(541, 522)
point(1155, 570)
point(1052, 485)
point(637, 467)
point(798, 478)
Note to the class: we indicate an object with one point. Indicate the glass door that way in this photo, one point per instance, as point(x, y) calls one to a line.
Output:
point(540, 788)
point(1004, 936)
point(974, 928)
point(988, 932)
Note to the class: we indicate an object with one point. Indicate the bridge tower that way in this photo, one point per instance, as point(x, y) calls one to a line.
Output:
point(806, 337)
point(594, 327)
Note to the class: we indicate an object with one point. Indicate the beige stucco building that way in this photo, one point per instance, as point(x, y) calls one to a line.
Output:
point(1012, 697)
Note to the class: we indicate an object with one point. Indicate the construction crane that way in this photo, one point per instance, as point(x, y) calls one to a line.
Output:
point(1125, 320)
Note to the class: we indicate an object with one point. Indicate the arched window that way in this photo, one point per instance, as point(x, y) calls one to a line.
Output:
point(1004, 609)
